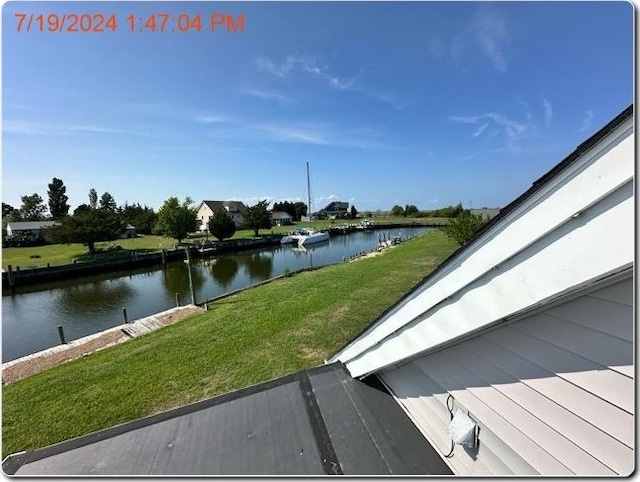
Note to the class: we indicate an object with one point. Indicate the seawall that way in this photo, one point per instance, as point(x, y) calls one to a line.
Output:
point(16, 277)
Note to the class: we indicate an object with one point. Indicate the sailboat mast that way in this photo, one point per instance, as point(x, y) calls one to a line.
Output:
point(309, 190)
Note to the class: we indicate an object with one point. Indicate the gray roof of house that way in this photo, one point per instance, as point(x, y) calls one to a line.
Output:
point(280, 215)
point(29, 225)
point(337, 204)
point(213, 205)
point(314, 422)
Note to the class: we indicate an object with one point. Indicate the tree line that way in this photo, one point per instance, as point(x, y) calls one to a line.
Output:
point(102, 219)
point(411, 211)
point(33, 208)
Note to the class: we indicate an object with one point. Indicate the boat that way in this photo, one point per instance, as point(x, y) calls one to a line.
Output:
point(292, 237)
point(312, 237)
point(366, 224)
point(305, 236)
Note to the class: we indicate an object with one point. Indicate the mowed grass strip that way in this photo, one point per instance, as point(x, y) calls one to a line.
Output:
point(61, 254)
point(257, 335)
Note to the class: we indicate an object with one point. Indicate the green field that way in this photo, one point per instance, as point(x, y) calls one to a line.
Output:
point(60, 254)
point(259, 334)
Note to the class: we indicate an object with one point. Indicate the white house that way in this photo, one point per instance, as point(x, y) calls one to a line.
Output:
point(528, 329)
point(235, 209)
point(35, 228)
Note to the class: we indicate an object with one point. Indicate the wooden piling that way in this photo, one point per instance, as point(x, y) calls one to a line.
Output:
point(124, 315)
point(10, 277)
point(61, 335)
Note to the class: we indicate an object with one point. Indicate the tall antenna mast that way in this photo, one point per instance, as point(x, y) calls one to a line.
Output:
point(309, 190)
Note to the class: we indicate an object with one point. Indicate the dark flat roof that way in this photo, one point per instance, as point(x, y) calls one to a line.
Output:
point(315, 422)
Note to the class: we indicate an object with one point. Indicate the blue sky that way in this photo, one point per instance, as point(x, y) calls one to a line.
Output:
point(424, 103)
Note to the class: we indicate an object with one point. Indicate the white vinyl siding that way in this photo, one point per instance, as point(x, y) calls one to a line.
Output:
point(576, 229)
point(553, 392)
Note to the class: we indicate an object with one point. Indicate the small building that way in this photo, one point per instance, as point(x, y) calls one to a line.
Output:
point(335, 210)
point(281, 218)
point(128, 231)
point(33, 228)
point(236, 209)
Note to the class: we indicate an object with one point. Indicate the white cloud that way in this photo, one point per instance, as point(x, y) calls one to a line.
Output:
point(280, 70)
point(548, 112)
point(308, 65)
point(511, 130)
point(35, 128)
point(492, 35)
point(586, 122)
point(319, 134)
point(486, 35)
point(480, 130)
point(209, 119)
point(309, 135)
point(268, 95)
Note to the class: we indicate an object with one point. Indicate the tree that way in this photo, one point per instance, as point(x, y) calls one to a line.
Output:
point(177, 220)
point(58, 206)
point(296, 210)
point(258, 217)
point(143, 218)
point(93, 199)
point(300, 209)
point(87, 226)
point(410, 211)
point(397, 210)
point(7, 209)
point(221, 225)
point(108, 203)
point(463, 227)
point(81, 208)
point(354, 212)
point(32, 208)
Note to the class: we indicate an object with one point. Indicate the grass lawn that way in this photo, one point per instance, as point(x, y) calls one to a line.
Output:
point(257, 335)
point(60, 254)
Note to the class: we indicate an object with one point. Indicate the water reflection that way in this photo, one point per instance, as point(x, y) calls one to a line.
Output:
point(259, 265)
point(93, 297)
point(223, 269)
point(175, 278)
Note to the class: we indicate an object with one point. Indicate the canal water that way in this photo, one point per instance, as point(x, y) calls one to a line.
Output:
point(30, 316)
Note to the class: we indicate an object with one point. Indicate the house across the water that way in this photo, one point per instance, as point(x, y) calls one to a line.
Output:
point(33, 228)
point(128, 231)
point(236, 209)
point(335, 210)
point(281, 218)
point(514, 357)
